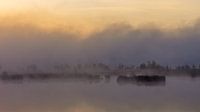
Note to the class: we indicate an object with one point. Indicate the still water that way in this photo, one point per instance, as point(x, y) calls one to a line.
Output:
point(178, 94)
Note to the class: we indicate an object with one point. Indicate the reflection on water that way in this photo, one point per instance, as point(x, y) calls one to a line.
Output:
point(101, 94)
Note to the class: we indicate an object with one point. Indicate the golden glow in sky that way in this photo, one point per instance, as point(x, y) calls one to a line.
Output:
point(85, 16)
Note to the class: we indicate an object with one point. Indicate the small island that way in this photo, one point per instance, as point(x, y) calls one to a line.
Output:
point(149, 73)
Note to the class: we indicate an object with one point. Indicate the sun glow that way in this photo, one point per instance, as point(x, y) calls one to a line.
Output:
point(86, 16)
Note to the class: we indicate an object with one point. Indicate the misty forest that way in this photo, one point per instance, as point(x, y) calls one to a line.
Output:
point(99, 55)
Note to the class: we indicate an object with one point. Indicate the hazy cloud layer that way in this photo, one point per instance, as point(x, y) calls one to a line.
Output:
point(118, 43)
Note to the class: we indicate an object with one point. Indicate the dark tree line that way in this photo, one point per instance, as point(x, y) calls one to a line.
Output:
point(101, 67)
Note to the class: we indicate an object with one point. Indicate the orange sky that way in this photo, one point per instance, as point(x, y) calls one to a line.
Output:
point(86, 16)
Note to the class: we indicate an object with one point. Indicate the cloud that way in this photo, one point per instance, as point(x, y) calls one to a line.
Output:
point(123, 44)
point(117, 43)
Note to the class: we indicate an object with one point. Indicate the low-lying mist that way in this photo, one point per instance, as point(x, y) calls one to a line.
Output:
point(117, 43)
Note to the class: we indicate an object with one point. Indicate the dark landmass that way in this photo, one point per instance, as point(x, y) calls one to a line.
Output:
point(142, 80)
point(147, 74)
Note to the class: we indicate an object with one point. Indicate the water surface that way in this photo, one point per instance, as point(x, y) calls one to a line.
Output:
point(177, 94)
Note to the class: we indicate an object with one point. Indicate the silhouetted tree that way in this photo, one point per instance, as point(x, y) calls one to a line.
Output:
point(121, 66)
point(167, 68)
point(187, 67)
point(193, 66)
point(154, 64)
point(143, 66)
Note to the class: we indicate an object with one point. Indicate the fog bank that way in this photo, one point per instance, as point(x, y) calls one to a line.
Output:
point(117, 43)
